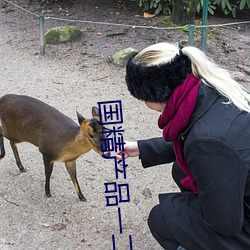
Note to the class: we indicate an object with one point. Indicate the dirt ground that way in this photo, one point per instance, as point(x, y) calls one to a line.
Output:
point(75, 76)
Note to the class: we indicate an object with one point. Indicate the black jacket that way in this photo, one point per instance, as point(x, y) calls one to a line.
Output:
point(216, 145)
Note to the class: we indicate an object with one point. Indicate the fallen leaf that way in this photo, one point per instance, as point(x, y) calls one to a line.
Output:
point(146, 192)
point(147, 15)
point(58, 227)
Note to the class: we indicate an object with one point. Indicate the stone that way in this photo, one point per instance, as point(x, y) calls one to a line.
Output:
point(63, 34)
point(121, 58)
point(239, 76)
point(244, 68)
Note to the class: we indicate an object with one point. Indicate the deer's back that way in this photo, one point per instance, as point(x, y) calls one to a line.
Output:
point(24, 118)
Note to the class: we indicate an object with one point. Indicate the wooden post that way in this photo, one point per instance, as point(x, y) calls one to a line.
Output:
point(191, 35)
point(42, 31)
point(2, 3)
point(204, 23)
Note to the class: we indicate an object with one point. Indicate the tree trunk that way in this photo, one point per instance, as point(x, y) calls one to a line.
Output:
point(183, 11)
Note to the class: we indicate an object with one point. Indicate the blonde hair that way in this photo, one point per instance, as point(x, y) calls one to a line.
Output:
point(202, 67)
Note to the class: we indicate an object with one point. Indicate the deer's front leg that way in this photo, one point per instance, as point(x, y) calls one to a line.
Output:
point(48, 165)
point(71, 168)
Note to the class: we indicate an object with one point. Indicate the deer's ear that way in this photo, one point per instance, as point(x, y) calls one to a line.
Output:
point(95, 111)
point(80, 118)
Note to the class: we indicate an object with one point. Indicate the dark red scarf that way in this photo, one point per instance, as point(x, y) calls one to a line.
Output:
point(174, 119)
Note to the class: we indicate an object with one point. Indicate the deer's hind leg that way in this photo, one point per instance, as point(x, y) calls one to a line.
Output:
point(18, 161)
point(71, 168)
point(1, 144)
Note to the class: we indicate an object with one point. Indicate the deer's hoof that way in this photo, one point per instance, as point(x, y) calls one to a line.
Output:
point(48, 195)
point(82, 198)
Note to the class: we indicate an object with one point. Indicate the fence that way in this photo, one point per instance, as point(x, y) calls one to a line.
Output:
point(191, 28)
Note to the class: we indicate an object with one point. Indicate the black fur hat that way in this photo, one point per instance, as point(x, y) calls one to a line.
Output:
point(156, 83)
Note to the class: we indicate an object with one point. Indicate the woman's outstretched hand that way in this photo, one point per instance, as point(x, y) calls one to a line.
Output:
point(130, 150)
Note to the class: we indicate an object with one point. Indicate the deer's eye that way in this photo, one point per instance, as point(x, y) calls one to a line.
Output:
point(91, 136)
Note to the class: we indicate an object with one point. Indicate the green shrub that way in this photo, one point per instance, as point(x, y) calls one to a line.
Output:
point(157, 6)
point(211, 7)
point(232, 6)
point(227, 6)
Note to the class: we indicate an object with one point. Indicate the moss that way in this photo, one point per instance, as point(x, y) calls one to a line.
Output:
point(63, 34)
point(163, 22)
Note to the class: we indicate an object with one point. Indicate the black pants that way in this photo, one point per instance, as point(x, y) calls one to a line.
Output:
point(156, 222)
point(179, 220)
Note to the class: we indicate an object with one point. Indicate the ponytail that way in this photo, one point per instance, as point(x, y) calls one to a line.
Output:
point(218, 78)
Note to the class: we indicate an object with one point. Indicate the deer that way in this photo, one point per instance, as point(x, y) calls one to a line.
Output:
point(58, 138)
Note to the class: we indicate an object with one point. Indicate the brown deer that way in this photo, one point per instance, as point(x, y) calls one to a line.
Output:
point(59, 138)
